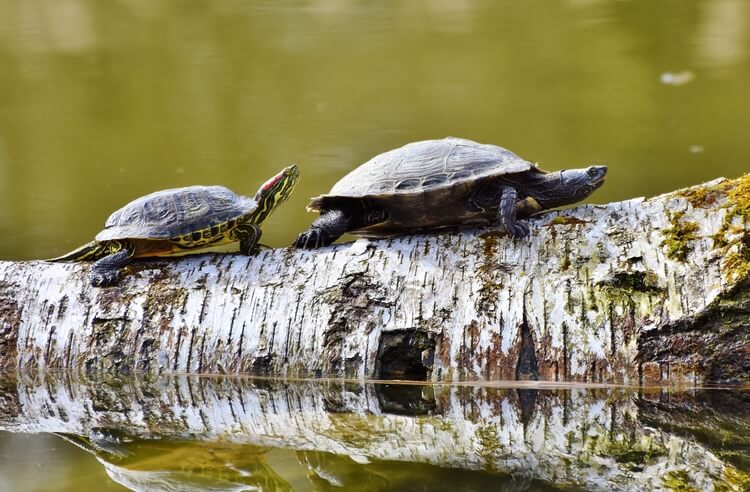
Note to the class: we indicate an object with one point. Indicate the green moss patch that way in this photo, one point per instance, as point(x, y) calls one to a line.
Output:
point(677, 238)
point(733, 480)
point(739, 197)
point(736, 247)
point(565, 220)
point(632, 454)
point(679, 481)
point(705, 196)
point(489, 443)
point(737, 263)
point(731, 240)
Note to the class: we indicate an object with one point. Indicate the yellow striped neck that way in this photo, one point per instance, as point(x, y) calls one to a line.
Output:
point(273, 193)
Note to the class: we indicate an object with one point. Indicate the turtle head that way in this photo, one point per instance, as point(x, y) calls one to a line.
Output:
point(274, 192)
point(570, 186)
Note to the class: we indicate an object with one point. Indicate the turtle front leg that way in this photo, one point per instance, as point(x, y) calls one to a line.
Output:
point(249, 237)
point(507, 213)
point(108, 270)
point(324, 230)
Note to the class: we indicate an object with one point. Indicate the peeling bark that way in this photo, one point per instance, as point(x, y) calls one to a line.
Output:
point(646, 291)
point(595, 439)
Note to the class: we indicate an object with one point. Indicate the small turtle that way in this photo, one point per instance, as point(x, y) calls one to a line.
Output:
point(440, 183)
point(179, 221)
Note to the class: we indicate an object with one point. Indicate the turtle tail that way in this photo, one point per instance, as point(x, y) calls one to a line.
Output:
point(326, 202)
point(91, 251)
point(316, 204)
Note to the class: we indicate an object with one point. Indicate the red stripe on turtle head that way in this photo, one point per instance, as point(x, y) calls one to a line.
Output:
point(272, 182)
point(287, 172)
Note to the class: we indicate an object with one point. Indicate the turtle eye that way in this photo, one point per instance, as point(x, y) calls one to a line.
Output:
point(595, 171)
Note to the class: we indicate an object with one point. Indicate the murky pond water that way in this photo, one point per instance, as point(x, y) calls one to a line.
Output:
point(102, 101)
point(215, 433)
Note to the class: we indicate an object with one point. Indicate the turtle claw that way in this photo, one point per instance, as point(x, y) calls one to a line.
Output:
point(104, 279)
point(518, 229)
point(108, 270)
point(312, 239)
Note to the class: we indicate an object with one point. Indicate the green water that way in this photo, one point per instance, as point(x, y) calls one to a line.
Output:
point(102, 101)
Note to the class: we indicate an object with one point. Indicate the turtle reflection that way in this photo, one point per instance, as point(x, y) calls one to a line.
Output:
point(155, 464)
point(330, 472)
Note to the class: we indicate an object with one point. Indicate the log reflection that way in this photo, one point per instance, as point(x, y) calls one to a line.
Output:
point(196, 431)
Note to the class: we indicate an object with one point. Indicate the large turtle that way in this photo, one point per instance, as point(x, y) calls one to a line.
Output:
point(179, 221)
point(439, 183)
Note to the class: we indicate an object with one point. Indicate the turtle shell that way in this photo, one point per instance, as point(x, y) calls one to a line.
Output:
point(424, 166)
point(175, 212)
point(423, 185)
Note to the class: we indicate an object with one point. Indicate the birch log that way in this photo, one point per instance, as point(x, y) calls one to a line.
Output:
point(158, 429)
point(646, 290)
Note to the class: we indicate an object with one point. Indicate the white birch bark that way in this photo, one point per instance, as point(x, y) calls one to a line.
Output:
point(645, 290)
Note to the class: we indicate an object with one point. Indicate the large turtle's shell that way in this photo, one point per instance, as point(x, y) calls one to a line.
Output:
point(172, 213)
point(423, 185)
point(427, 165)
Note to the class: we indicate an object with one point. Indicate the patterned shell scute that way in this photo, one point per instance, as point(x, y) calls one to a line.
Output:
point(426, 165)
point(171, 213)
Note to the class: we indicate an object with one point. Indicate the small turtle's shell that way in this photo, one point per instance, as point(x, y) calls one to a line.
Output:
point(172, 213)
point(425, 166)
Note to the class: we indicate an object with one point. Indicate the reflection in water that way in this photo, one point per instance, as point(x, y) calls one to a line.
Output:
point(718, 419)
point(190, 432)
point(331, 472)
point(156, 464)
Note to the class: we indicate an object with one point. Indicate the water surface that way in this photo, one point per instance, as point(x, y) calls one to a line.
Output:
point(103, 101)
